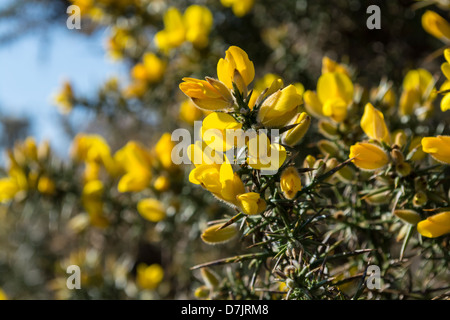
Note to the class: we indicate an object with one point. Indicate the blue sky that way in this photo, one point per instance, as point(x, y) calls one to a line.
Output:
point(32, 70)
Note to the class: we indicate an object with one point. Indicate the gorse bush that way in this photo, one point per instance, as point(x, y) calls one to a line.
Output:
point(303, 179)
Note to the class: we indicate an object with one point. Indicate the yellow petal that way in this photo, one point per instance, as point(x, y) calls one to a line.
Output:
point(435, 226)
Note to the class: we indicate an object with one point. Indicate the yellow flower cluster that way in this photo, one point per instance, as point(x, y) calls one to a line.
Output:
point(193, 26)
point(273, 107)
point(27, 171)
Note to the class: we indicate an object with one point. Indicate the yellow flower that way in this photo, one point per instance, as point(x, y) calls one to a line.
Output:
point(438, 147)
point(368, 156)
point(3, 295)
point(435, 25)
point(207, 95)
point(93, 203)
point(263, 155)
point(214, 130)
point(251, 203)
point(240, 7)
point(198, 21)
point(417, 89)
point(220, 180)
point(419, 79)
point(271, 82)
point(435, 226)
point(290, 182)
point(163, 151)
point(280, 107)
point(214, 236)
point(208, 176)
point(8, 189)
point(232, 185)
point(372, 123)
point(151, 70)
point(237, 68)
point(46, 185)
point(162, 183)
point(294, 135)
point(119, 40)
point(136, 162)
point(151, 209)
point(312, 104)
point(174, 32)
point(335, 93)
point(445, 67)
point(149, 277)
point(189, 112)
point(64, 99)
point(408, 101)
point(329, 65)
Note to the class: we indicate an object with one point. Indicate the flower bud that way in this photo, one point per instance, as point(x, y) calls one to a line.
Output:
point(368, 156)
point(408, 216)
point(279, 107)
point(294, 135)
point(214, 236)
point(420, 198)
point(290, 182)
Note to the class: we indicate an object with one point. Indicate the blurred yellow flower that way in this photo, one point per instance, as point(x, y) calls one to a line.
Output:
point(93, 203)
point(174, 33)
point(445, 67)
point(198, 21)
point(435, 226)
point(162, 183)
point(329, 65)
point(8, 189)
point(163, 151)
point(418, 88)
point(189, 112)
point(368, 156)
point(149, 277)
point(46, 185)
point(335, 93)
point(290, 182)
point(135, 161)
point(373, 124)
point(64, 99)
point(3, 295)
point(194, 26)
point(151, 70)
point(151, 209)
point(438, 147)
point(435, 25)
point(240, 7)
